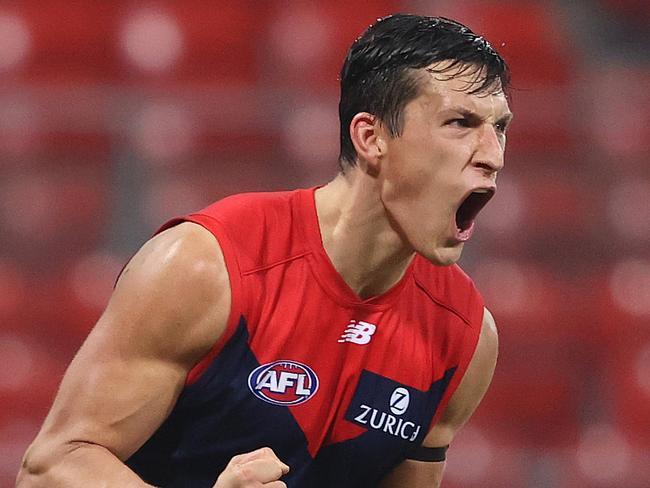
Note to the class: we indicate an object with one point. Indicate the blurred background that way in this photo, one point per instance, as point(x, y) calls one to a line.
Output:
point(115, 116)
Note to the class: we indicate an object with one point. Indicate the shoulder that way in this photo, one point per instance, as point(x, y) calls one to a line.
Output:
point(255, 229)
point(489, 330)
point(186, 252)
point(256, 203)
point(176, 289)
point(451, 288)
point(439, 279)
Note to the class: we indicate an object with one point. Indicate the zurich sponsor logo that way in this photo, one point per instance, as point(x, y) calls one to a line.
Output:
point(399, 401)
point(283, 382)
point(384, 405)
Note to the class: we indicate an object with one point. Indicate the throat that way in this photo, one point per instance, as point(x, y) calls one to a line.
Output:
point(357, 237)
point(370, 268)
point(378, 282)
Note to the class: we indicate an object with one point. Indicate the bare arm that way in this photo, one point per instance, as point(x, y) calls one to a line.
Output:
point(470, 392)
point(169, 306)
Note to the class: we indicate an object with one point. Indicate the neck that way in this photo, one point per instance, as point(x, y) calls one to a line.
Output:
point(364, 246)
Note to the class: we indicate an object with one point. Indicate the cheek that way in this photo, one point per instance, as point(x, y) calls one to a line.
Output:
point(410, 171)
point(407, 185)
point(421, 180)
point(417, 200)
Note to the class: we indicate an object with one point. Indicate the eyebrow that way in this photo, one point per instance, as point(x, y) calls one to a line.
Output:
point(505, 119)
point(474, 117)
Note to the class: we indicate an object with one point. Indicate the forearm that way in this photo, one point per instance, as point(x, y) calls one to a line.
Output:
point(415, 474)
point(79, 465)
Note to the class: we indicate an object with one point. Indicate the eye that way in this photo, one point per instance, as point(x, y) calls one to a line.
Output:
point(501, 127)
point(462, 122)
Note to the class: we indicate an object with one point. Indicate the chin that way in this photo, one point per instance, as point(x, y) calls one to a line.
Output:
point(444, 256)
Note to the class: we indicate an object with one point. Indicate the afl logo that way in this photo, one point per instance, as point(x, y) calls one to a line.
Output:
point(283, 382)
point(399, 401)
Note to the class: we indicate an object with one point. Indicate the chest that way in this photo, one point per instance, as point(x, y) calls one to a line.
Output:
point(344, 370)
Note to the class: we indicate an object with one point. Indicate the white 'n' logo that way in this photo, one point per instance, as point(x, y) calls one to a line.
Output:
point(358, 332)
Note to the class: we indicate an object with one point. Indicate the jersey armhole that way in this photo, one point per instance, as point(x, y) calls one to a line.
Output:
point(469, 343)
point(234, 276)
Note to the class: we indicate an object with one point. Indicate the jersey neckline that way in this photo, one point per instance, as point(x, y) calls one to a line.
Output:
point(325, 272)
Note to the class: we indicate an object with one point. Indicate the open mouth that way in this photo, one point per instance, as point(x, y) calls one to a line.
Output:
point(471, 206)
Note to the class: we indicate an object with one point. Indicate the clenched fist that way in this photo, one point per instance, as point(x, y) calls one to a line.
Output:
point(260, 468)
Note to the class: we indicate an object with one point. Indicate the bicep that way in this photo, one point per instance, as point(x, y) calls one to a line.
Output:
point(168, 308)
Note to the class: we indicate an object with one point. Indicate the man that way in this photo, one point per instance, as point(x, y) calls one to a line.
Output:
point(314, 338)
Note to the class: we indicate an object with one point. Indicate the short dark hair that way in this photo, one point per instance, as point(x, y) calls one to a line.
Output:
point(377, 74)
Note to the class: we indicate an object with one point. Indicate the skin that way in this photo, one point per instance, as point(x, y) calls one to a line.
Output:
point(172, 302)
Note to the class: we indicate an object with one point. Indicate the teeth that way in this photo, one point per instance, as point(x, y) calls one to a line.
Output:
point(481, 190)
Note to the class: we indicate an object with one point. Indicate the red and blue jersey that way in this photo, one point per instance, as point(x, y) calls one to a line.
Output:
point(339, 387)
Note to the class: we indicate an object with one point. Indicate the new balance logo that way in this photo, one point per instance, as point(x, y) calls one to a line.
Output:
point(358, 332)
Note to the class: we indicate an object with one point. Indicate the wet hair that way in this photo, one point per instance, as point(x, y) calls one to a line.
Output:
point(378, 75)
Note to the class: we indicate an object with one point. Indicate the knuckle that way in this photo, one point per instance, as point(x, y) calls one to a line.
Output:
point(267, 452)
point(277, 470)
point(233, 461)
point(243, 473)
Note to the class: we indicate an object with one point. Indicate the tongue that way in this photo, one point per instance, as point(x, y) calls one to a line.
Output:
point(464, 235)
point(463, 224)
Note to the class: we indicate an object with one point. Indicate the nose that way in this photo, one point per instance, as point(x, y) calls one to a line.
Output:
point(490, 150)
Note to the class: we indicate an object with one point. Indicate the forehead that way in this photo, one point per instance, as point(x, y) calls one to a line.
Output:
point(441, 87)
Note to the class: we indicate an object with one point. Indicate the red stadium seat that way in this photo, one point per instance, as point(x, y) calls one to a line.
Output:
point(621, 362)
point(535, 395)
point(14, 295)
point(212, 42)
point(30, 377)
point(28, 381)
point(534, 400)
point(540, 126)
point(628, 380)
point(48, 212)
point(633, 10)
point(616, 88)
point(601, 444)
point(76, 47)
point(222, 40)
point(480, 458)
point(307, 41)
point(542, 206)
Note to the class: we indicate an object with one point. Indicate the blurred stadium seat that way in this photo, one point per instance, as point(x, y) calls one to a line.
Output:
point(116, 116)
point(78, 47)
point(307, 41)
point(618, 116)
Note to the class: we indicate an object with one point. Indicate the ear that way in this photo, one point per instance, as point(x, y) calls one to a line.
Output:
point(367, 137)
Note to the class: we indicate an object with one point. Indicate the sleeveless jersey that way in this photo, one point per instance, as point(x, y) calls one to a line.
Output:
point(339, 387)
